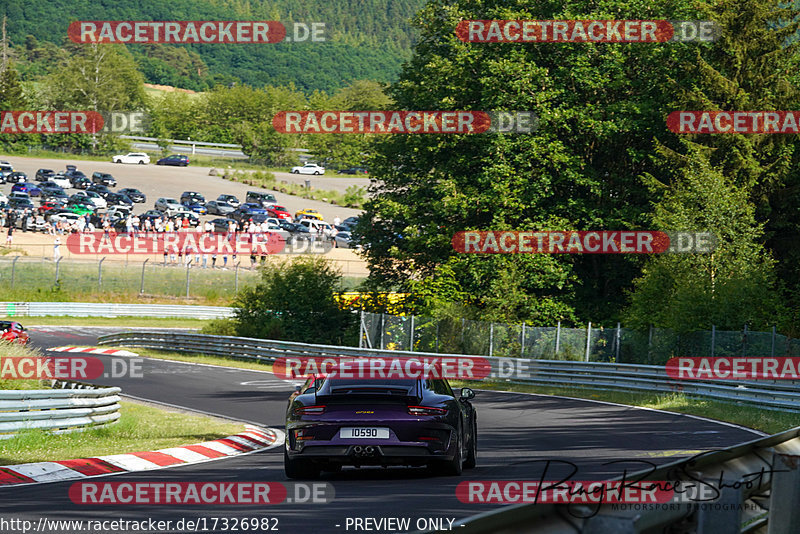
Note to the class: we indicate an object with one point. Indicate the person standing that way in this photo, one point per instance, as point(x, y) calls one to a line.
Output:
point(10, 235)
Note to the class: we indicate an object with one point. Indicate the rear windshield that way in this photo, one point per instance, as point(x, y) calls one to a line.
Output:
point(334, 386)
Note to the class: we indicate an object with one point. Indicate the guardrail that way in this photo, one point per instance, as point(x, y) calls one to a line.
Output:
point(773, 394)
point(102, 309)
point(756, 488)
point(60, 410)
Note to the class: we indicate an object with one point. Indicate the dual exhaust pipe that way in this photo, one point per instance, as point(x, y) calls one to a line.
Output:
point(369, 450)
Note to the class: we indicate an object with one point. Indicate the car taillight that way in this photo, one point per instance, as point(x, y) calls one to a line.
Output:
point(426, 410)
point(309, 410)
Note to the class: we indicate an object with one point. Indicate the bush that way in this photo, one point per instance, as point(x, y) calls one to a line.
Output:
point(296, 301)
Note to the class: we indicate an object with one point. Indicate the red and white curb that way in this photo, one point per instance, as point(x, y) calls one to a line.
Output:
point(93, 350)
point(254, 439)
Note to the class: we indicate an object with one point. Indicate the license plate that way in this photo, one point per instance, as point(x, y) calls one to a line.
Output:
point(364, 432)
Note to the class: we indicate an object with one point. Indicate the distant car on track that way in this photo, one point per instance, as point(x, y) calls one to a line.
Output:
point(176, 160)
point(336, 421)
point(13, 332)
point(308, 168)
point(132, 157)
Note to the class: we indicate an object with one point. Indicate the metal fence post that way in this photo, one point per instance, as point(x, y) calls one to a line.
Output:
point(713, 339)
point(411, 336)
point(187, 279)
point(13, 270)
point(236, 278)
point(772, 352)
point(491, 338)
point(100, 272)
point(617, 340)
point(141, 286)
point(588, 339)
point(522, 348)
point(744, 341)
point(784, 514)
point(361, 330)
point(58, 261)
point(382, 332)
point(558, 337)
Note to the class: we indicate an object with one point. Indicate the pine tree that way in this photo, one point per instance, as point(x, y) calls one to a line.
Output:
point(12, 96)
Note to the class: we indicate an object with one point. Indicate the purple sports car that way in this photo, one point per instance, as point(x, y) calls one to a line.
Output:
point(334, 421)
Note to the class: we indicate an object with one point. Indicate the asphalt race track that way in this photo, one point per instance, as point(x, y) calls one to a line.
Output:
point(518, 434)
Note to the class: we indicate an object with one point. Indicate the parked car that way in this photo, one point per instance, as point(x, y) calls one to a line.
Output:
point(178, 216)
point(16, 177)
point(20, 204)
point(90, 196)
point(57, 196)
point(18, 194)
point(119, 212)
point(308, 168)
point(307, 214)
point(5, 171)
point(73, 175)
point(193, 197)
point(152, 215)
point(68, 217)
point(50, 205)
point(222, 224)
point(104, 178)
point(13, 332)
point(345, 239)
point(132, 157)
point(81, 182)
point(297, 231)
point(318, 227)
point(61, 180)
point(264, 199)
point(118, 199)
point(230, 199)
point(42, 175)
point(279, 212)
point(167, 204)
point(354, 170)
point(176, 160)
point(80, 208)
point(247, 211)
point(195, 207)
point(350, 222)
point(71, 168)
point(100, 189)
point(133, 194)
point(27, 187)
point(217, 207)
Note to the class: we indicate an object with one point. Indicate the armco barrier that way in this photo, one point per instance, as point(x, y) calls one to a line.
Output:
point(61, 410)
point(102, 309)
point(769, 394)
point(760, 492)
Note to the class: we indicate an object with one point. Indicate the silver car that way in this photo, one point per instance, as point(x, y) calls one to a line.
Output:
point(218, 207)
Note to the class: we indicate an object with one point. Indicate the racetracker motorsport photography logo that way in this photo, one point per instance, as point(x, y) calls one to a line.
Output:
point(586, 31)
point(404, 122)
point(571, 242)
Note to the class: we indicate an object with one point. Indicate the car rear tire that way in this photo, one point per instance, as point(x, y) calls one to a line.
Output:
point(472, 454)
point(117, 161)
point(141, 162)
point(453, 467)
point(316, 173)
point(299, 469)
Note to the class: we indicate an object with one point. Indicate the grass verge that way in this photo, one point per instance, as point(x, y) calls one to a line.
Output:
point(204, 358)
point(143, 322)
point(140, 428)
point(769, 421)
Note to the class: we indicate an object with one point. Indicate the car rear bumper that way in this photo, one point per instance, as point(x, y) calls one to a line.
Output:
point(370, 455)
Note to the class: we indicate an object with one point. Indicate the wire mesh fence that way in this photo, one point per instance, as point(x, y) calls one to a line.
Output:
point(192, 279)
point(592, 344)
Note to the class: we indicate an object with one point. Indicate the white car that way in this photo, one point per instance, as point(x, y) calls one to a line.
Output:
point(69, 218)
point(61, 181)
point(308, 168)
point(93, 198)
point(134, 157)
point(169, 205)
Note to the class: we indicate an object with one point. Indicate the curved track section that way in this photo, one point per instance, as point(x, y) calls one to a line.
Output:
point(521, 436)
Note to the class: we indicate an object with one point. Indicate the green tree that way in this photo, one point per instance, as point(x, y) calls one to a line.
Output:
point(729, 287)
point(12, 96)
point(295, 300)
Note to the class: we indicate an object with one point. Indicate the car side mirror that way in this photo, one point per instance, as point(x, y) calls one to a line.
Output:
point(467, 394)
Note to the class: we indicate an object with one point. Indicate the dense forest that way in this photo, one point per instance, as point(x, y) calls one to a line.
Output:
point(365, 39)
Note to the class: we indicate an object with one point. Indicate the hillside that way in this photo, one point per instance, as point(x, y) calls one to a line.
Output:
point(366, 39)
